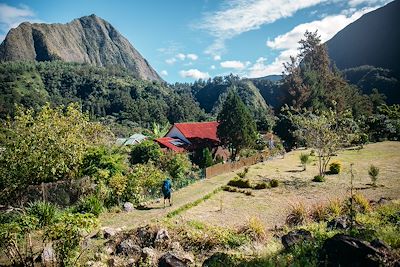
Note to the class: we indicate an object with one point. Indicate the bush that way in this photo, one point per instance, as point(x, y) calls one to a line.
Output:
point(373, 173)
point(274, 183)
point(261, 185)
point(319, 213)
point(90, 204)
point(240, 183)
point(255, 229)
point(304, 159)
point(244, 173)
point(334, 168)
point(335, 208)
point(312, 152)
point(179, 168)
point(207, 159)
point(297, 215)
point(361, 203)
point(145, 151)
point(45, 212)
point(318, 179)
point(144, 181)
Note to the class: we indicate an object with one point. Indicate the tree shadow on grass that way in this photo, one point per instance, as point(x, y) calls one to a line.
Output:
point(295, 171)
point(296, 183)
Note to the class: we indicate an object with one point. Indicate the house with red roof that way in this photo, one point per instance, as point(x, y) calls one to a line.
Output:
point(191, 136)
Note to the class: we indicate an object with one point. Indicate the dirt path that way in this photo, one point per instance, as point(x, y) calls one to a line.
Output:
point(272, 205)
point(183, 196)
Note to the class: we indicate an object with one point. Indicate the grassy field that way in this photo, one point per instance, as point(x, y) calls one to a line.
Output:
point(272, 205)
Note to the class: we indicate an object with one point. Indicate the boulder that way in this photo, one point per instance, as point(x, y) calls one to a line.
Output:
point(48, 256)
point(128, 247)
point(108, 232)
point(162, 239)
point(344, 250)
point(171, 259)
point(295, 237)
point(338, 223)
point(146, 235)
point(148, 256)
point(379, 244)
point(128, 207)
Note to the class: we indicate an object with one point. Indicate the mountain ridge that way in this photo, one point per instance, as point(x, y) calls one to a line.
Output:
point(89, 39)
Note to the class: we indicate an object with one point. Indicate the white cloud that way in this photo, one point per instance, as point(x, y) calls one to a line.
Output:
point(192, 56)
point(287, 43)
point(164, 73)
point(239, 16)
point(181, 56)
point(234, 64)
point(354, 3)
point(217, 57)
point(212, 67)
point(194, 73)
point(11, 17)
point(170, 61)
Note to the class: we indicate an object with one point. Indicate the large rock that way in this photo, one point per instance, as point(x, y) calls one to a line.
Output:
point(162, 239)
point(108, 232)
point(148, 256)
point(128, 247)
point(146, 235)
point(172, 259)
point(338, 223)
point(295, 237)
point(128, 206)
point(344, 250)
point(89, 40)
point(48, 256)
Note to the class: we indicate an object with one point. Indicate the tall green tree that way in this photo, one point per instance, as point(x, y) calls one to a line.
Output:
point(236, 129)
point(46, 146)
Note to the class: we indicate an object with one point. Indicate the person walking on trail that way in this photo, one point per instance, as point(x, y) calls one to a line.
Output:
point(166, 190)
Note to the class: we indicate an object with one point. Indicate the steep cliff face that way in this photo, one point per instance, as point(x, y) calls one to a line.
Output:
point(88, 39)
point(371, 40)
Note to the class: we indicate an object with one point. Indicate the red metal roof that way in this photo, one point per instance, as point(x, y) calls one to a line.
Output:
point(200, 130)
point(166, 141)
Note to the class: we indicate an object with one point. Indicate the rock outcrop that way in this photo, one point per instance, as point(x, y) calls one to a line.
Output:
point(89, 39)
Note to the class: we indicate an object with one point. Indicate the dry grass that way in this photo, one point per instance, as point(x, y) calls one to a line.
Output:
point(272, 205)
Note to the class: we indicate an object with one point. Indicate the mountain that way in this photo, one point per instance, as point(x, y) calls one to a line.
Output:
point(372, 40)
point(89, 39)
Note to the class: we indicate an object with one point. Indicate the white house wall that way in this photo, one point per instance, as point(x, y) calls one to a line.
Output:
point(175, 133)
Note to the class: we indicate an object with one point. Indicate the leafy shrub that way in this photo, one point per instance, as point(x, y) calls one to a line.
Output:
point(118, 184)
point(90, 204)
point(45, 212)
point(179, 167)
point(318, 179)
point(297, 215)
point(274, 183)
point(312, 153)
point(102, 162)
point(144, 181)
point(373, 173)
point(334, 168)
point(261, 185)
point(304, 159)
point(67, 235)
point(240, 183)
point(145, 151)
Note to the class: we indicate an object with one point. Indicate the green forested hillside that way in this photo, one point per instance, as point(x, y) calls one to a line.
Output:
point(102, 92)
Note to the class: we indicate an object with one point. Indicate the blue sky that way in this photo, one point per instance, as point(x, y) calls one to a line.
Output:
point(185, 40)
